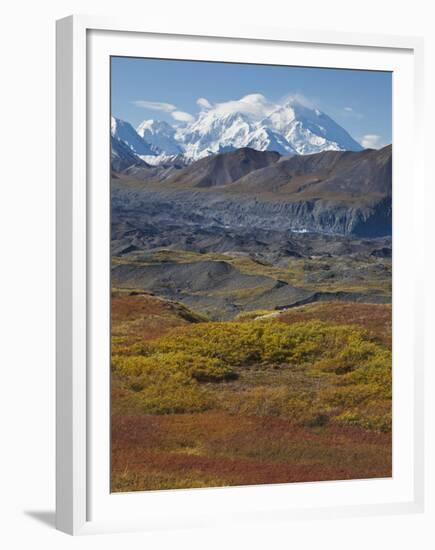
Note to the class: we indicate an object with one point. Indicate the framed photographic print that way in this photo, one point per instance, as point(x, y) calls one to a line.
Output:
point(238, 275)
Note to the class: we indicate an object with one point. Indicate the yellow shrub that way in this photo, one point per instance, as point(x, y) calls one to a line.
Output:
point(183, 366)
point(347, 376)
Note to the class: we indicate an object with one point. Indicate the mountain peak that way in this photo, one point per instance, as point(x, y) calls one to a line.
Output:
point(295, 127)
point(124, 131)
point(160, 136)
point(154, 126)
point(308, 129)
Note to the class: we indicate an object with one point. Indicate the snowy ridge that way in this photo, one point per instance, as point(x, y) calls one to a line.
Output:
point(124, 131)
point(292, 128)
point(160, 136)
point(310, 130)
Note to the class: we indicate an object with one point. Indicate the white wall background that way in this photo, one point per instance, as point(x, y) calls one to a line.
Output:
point(27, 270)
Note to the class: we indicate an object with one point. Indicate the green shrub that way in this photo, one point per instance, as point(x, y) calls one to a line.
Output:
point(241, 343)
point(346, 375)
point(180, 365)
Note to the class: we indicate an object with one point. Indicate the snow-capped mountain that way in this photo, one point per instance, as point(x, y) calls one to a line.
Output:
point(214, 132)
point(160, 135)
point(211, 134)
point(292, 128)
point(123, 157)
point(267, 139)
point(124, 131)
point(309, 130)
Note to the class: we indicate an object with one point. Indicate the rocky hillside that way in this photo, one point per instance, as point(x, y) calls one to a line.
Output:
point(333, 192)
point(223, 169)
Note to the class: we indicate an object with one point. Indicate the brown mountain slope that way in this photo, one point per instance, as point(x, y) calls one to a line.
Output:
point(330, 175)
point(222, 169)
point(334, 192)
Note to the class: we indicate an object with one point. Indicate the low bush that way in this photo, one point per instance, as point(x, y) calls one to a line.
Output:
point(180, 365)
point(179, 371)
point(244, 343)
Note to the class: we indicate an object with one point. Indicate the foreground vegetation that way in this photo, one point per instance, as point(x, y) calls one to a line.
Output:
point(302, 395)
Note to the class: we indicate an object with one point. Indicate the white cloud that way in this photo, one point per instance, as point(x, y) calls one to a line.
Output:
point(155, 105)
point(182, 116)
point(204, 103)
point(299, 98)
point(371, 141)
point(350, 111)
point(256, 106)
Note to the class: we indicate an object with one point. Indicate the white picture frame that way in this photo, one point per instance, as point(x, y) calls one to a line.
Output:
point(84, 45)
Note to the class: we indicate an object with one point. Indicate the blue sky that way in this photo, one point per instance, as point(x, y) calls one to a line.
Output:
point(169, 90)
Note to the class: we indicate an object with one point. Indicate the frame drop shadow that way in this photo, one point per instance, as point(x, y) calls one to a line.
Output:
point(47, 517)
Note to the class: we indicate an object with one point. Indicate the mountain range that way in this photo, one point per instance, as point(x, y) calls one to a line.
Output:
point(291, 129)
point(333, 192)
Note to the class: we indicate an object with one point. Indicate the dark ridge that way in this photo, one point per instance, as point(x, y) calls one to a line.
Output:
point(223, 169)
